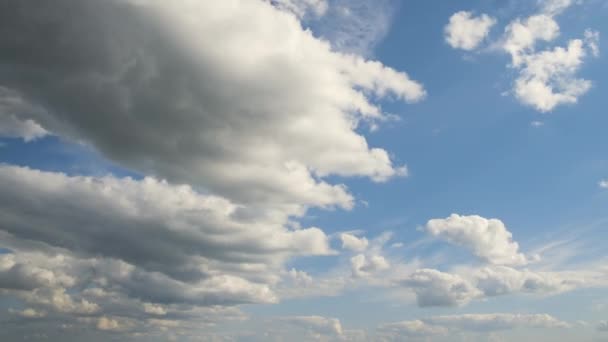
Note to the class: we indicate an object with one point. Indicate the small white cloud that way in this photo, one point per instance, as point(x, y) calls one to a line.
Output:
point(603, 184)
point(353, 243)
point(488, 239)
point(465, 31)
point(362, 265)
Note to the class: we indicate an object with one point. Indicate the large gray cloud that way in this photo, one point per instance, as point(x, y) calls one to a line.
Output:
point(193, 92)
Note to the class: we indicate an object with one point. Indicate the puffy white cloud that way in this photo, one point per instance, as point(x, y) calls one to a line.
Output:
point(521, 36)
point(436, 288)
point(139, 247)
point(363, 265)
point(603, 184)
point(487, 239)
point(353, 243)
point(547, 79)
point(466, 31)
point(202, 97)
point(187, 234)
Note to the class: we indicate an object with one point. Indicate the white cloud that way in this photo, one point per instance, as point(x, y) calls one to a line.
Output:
point(487, 239)
point(547, 79)
point(353, 243)
point(196, 254)
point(555, 7)
point(204, 99)
point(602, 326)
point(465, 31)
point(435, 288)
point(500, 280)
point(363, 265)
point(521, 35)
point(603, 184)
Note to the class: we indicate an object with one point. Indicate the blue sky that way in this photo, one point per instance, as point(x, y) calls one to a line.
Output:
point(304, 169)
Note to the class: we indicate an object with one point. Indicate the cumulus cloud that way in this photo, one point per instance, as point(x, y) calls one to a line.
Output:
point(69, 233)
point(255, 122)
point(353, 243)
point(494, 281)
point(436, 288)
point(487, 239)
point(547, 78)
point(466, 31)
point(603, 184)
point(363, 265)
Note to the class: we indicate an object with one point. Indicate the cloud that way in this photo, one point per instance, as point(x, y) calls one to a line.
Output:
point(499, 280)
point(13, 127)
point(603, 184)
point(545, 79)
point(30, 313)
point(258, 123)
point(487, 239)
point(436, 288)
point(353, 243)
point(410, 329)
point(356, 26)
point(301, 8)
point(602, 326)
point(317, 324)
point(77, 247)
point(494, 322)
point(362, 265)
point(438, 326)
point(465, 31)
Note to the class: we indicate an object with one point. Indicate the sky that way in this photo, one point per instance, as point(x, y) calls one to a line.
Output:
point(303, 170)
